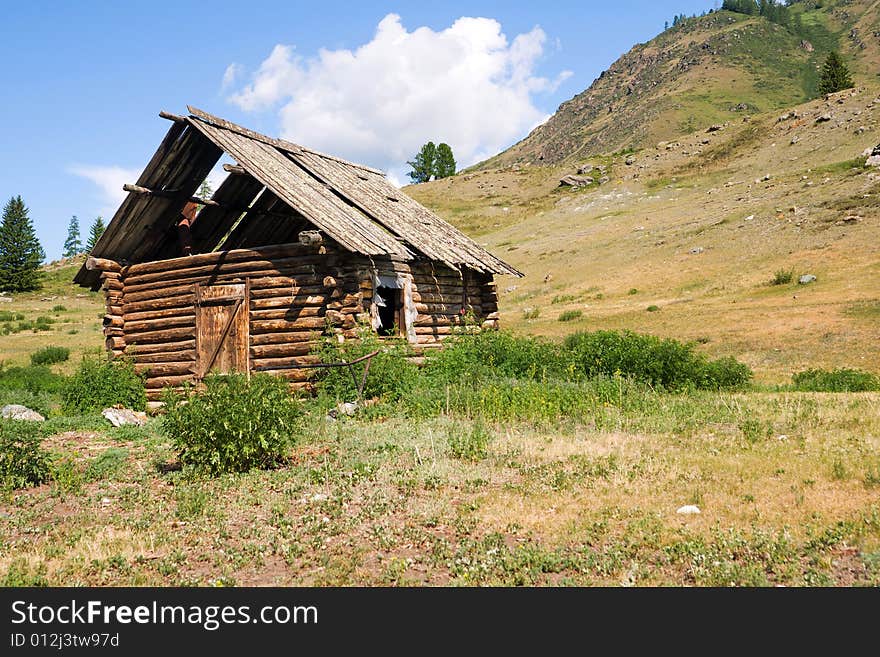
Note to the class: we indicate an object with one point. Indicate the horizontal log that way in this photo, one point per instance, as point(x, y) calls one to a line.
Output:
point(262, 282)
point(299, 375)
point(112, 321)
point(159, 313)
point(282, 350)
point(167, 335)
point(151, 305)
point(112, 284)
point(490, 324)
point(114, 342)
point(283, 362)
point(289, 314)
point(281, 267)
point(167, 381)
point(102, 264)
point(491, 316)
point(171, 117)
point(139, 350)
point(285, 337)
point(435, 330)
point(117, 353)
point(115, 310)
point(235, 169)
point(114, 331)
point(288, 301)
point(110, 276)
point(165, 369)
point(160, 323)
point(289, 249)
point(438, 308)
point(329, 281)
point(166, 356)
point(307, 323)
point(287, 291)
point(224, 278)
point(161, 193)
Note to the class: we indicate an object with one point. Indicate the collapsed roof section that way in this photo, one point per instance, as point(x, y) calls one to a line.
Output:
point(276, 190)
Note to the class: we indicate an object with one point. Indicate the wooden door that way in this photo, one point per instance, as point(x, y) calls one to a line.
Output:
point(221, 328)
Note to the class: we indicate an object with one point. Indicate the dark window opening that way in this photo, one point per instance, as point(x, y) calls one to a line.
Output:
point(389, 302)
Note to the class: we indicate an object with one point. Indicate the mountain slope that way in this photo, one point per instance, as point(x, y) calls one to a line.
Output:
point(707, 70)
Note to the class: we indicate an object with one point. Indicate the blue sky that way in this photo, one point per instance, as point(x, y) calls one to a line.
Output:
point(84, 81)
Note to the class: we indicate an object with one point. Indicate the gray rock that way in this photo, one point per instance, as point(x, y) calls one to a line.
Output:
point(806, 279)
point(688, 510)
point(575, 181)
point(795, 139)
point(122, 416)
point(586, 168)
point(343, 408)
point(603, 180)
point(873, 161)
point(697, 250)
point(19, 412)
point(630, 161)
point(714, 128)
point(824, 118)
point(5, 299)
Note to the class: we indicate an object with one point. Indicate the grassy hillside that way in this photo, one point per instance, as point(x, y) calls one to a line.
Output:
point(706, 70)
point(695, 229)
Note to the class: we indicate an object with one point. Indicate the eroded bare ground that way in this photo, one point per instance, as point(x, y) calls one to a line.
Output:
point(788, 486)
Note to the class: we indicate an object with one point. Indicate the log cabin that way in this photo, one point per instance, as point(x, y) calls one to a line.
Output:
point(294, 244)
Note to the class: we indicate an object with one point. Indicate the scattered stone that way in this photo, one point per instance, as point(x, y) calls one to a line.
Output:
point(548, 278)
point(575, 181)
point(343, 408)
point(662, 145)
point(782, 437)
point(750, 217)
point(705, 142)
point(688, 510)
point(795, 139)
point(850, 219)
point(697, 250)
point(766, 177)
point(122, 416)
point(873, 161)
point(105, 501)
point(806, 279)
point(861, 130)
point(586, 168)
point(603, 180)
point(5, 299)
point(319, 497)
point(806, 45)
point(19, 412)
point(714, 128)
point(510, 288)
point(824, 118)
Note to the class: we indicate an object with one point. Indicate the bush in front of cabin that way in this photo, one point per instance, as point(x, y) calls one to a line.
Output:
point(101, 382)
point(235, 424)
point(23, 461)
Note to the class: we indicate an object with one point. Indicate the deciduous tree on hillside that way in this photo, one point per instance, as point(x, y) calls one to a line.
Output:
point(20, 250)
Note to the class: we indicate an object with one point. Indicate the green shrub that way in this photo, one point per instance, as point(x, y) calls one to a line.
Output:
point(652, 308)
point(101, 382)
point(43, 324)
point(649, 359)
point(839, 380)
point(570, 315)
point(633, 291)
point(41, 402)
point(782, 277)
point(23, 461)
point(235, 424)
point(531, 313)
point(21, 575)
point(469, 444)
point(9, 316)
point(390, 375)
point(58, 308)
point(34, 379)
point(50, 355)
point(106, 464)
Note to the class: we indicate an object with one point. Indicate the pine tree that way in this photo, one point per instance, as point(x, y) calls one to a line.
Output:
point(20, 250)
point(423, 164)
point(835, 75)
point(73, 244)
point(444, 164)
point(95, 233)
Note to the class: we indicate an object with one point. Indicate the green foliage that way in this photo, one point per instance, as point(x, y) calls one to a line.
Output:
point(423, 163)
point(73, 244)
point(633, 291)
point(835, 75)
point(782, 277)
point(9, 316)
point(652, 308)
point(50, 355)
point(58, 308)
point(570, 315)
point(95, 231)
point(444, 165)
point(106, 464)
point(20, 251)
point(390, 375)
point(531, 313)
point(20, 574)
point(656, 361)
point(23, 462)
point(101, 382)
point(36, 379)
point(839, 380)
point(469, 443)
point(237, 423)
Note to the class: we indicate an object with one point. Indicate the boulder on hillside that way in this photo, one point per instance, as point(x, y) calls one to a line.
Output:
point(19, 412)
point(806, 279)
point(122, 416)
point(575, 181)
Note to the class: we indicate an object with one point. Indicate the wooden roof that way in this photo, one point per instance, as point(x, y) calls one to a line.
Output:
point(278, 187)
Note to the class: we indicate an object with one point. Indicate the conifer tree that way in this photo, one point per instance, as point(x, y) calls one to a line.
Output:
point(20, 250)
point(95, 232)
point(73, 244)
point(835, 75)
point(423, 164)
point(444, 164)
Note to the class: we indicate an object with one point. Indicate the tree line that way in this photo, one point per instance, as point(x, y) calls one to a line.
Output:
point(21, 253)
point(432, 162)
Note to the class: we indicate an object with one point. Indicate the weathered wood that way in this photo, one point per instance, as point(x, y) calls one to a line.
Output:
point(160, 323)
point(222, 330)
point(265, 326)
point(113, 331)
point(285, 338)
point(102, 264)
point(288, 250)
point(167, 381)
point(292, 291)
point(292, 374)
point(114, 321)
point(172, 117)
point(112, 284)
point(115, 310)
point(284, 362)
point(281, 350)
point(139, 350)
point(167, 335)
point(165, 369)
point(274, 267)
point(235, 169)
point(114, 342)
point(166, 356)
point(435, 330)
point(158, 314)
point(289, 302)
point(161, 193)
point(114, 275)
point(293, 314)
point(142, 304)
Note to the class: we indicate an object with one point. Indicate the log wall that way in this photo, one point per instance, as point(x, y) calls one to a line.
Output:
point(295, 293)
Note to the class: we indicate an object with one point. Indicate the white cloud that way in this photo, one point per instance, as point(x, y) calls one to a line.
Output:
point(109, 180)
point(231, 75)
point(466, 85)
